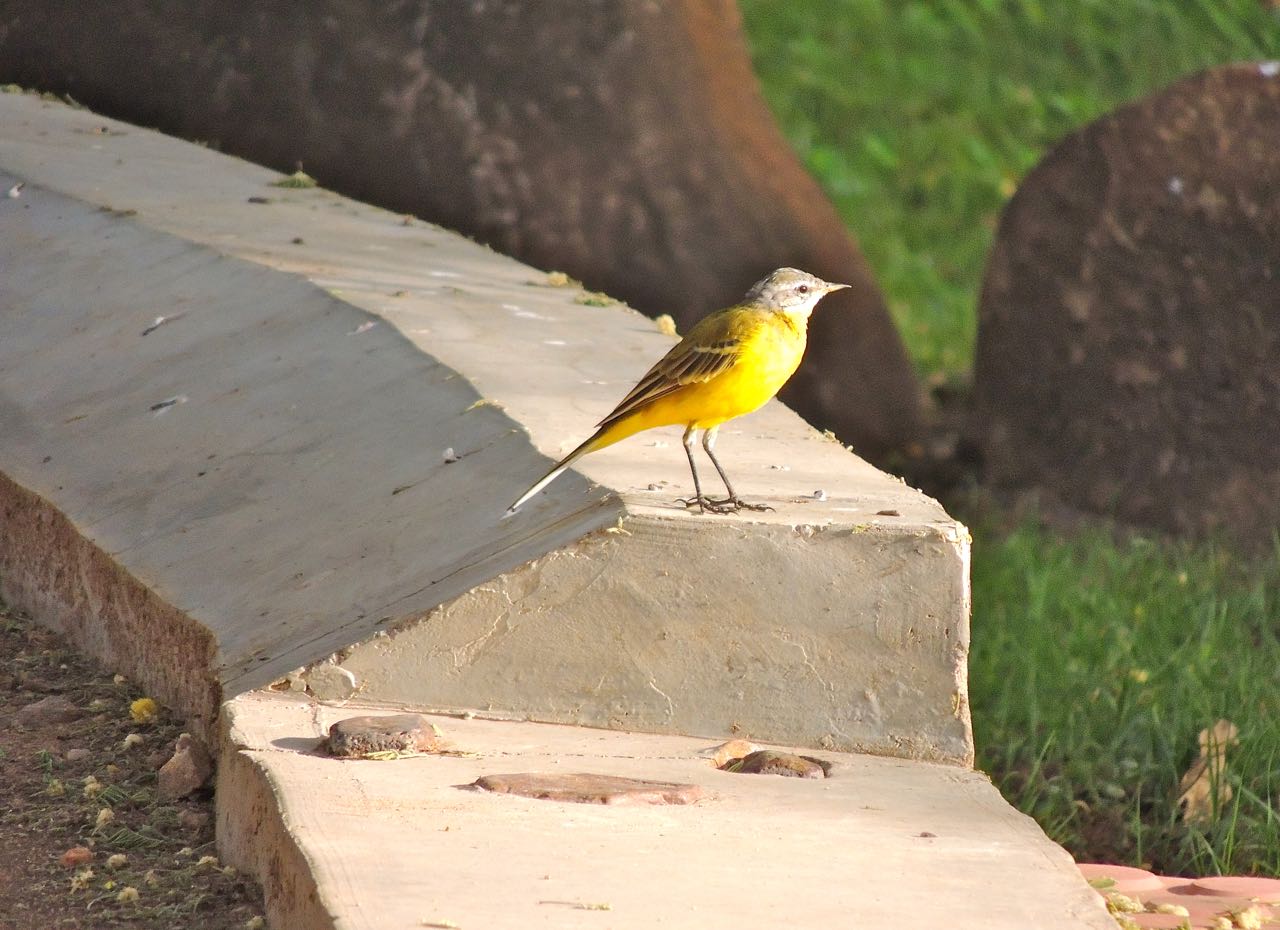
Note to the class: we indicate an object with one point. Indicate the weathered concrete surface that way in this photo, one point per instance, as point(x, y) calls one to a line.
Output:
point(765, 635)
point(295, 497)
point(880, 843)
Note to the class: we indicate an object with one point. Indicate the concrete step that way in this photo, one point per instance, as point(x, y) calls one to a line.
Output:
point(405, 843)
point(261, 483)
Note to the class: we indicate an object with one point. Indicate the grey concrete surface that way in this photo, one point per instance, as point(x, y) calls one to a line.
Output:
point(261, 483)
point(831, 639)
point(392, 844)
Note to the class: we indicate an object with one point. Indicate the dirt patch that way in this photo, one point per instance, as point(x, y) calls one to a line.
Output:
point(80, 770)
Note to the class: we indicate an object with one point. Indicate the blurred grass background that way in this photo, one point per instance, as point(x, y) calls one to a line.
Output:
point(1097, 657)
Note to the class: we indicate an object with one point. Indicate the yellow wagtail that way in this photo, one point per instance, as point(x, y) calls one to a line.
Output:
point(730, 363)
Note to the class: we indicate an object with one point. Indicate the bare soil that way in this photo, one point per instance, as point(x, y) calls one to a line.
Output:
point(51, 803)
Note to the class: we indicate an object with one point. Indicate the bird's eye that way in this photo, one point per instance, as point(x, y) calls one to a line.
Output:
point(803, 288)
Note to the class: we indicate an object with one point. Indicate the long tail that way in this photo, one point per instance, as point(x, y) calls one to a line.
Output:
point(589, 446)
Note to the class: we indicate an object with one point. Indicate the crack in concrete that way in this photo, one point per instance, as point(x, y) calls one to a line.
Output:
point(671, 707)
point(463, 655)
point(785, 637)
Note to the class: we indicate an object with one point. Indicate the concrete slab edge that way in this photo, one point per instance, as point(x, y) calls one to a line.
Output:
point(254, 836)
point(52, 572)
point(383, 844)
point(761, 644)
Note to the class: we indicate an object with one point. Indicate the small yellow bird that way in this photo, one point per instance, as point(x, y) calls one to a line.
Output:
point(730, 363)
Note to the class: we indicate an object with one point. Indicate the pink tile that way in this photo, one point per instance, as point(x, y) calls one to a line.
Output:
point(1264, 889)
point(1128, 879)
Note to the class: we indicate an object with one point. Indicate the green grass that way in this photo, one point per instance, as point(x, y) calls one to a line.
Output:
point(919, 117)
point(1096, 663)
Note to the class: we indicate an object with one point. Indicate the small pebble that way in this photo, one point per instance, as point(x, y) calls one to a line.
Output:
point(188, 770)
point(75, 857)
point(773, 762)
point(731, 751)
point(360, 736)
point(52, 709)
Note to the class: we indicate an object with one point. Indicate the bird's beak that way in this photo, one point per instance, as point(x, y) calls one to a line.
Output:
point(836, 287)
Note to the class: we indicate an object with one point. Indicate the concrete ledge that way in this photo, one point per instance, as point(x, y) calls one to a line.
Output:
point(849, 639)
point(259, 836)
point(880, 843)
point(268, 466)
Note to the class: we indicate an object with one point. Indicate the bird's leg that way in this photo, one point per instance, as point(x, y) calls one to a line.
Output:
point(704, 503)
point(687, 440)
point(733, 501)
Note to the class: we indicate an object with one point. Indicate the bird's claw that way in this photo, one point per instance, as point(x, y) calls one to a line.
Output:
point(723, 505)
point(707, 505)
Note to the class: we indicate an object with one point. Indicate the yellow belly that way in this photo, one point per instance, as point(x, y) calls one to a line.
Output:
point(769, 357)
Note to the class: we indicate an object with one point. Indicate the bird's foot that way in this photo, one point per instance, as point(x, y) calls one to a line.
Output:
point(723, 505)
point(706, 504)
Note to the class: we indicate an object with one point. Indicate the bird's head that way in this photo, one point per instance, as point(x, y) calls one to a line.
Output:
point(791, 291)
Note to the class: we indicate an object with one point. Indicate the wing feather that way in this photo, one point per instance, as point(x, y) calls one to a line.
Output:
point(690, 361)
